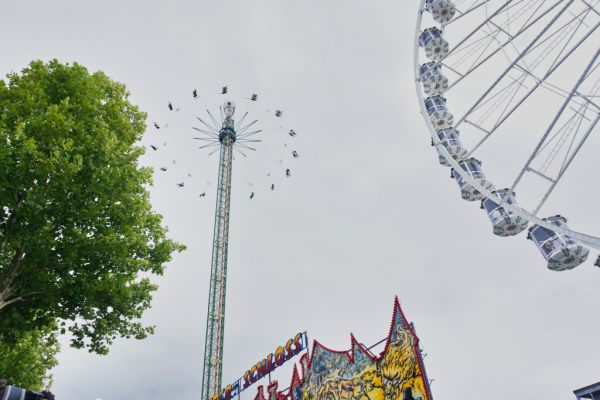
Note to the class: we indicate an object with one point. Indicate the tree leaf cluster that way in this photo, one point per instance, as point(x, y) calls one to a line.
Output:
point(25, 362)
point(78, 237)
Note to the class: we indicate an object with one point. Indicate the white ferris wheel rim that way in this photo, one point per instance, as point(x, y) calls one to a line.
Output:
point(589, 240)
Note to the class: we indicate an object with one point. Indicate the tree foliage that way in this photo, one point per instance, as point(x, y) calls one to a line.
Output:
point(27, 360)
point(78, 237)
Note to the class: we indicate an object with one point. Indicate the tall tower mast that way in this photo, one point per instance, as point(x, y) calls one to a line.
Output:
point(215, 322)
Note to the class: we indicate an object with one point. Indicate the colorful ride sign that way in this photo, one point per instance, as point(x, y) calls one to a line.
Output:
point(397, 373)
point(264, 367)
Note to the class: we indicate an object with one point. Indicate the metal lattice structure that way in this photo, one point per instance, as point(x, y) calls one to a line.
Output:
point(220, 133)
point(215, 322)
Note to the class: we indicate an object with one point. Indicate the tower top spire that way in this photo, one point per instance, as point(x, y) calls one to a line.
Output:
point(228, 128)
point(229, 109)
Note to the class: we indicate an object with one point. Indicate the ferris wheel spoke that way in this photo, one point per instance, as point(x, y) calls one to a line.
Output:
point(536, 151)
point(469, 10)
point(501, 95)
point(563, 131)
point(489, 133)
point(541, 175)
point(472, 47)
point(493, 36)
point(519, 84)
point(570, 128)
point(481, 128)
point(572, 35)
point(495, 102)
point(474, 31)
point(521, 31)
point(591, 7)
point(517, 59)
point(557, 36)
point(451, 69)
point(542, 81)
point(567, 163)
point(479, 46)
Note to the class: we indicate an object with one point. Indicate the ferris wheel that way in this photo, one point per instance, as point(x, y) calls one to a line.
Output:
point(510, 93)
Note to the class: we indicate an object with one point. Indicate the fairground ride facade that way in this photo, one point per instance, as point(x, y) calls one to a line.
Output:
point(398, 373)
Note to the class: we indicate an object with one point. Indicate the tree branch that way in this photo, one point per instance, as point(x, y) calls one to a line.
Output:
point(4, 304)
point(11, 273)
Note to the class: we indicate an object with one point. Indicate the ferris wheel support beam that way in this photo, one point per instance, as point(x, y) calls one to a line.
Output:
point(558, 91)
point(554, 121)
point(510, 67)
point(539, 82)
point(567, 163)
point(453, 70)
point(506, 43)
point(474, 31)
point(591, 7)
point(462, 14)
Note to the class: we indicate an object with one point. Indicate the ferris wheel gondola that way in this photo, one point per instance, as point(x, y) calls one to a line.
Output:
point(536, 62)
point(434, 82)
point(449, 138)
point(438, 112)
point(469, 189)
point(561, 251)
point(504, 222)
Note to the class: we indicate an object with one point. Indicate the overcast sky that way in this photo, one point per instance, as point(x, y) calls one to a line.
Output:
point(368, 213)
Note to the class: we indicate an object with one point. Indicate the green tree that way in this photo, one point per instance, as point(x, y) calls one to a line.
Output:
point(25, 362)
point(78, 237)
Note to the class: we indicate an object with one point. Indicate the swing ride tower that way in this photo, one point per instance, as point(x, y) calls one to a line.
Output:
point(215, 321)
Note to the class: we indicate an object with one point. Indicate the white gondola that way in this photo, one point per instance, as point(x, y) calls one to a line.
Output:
point(472, 167)
point(561, 252)
point(451, 141)
point(504, 222)
point(442, 11)
point(434, 82)
point(434, 44)
point(438, 112)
